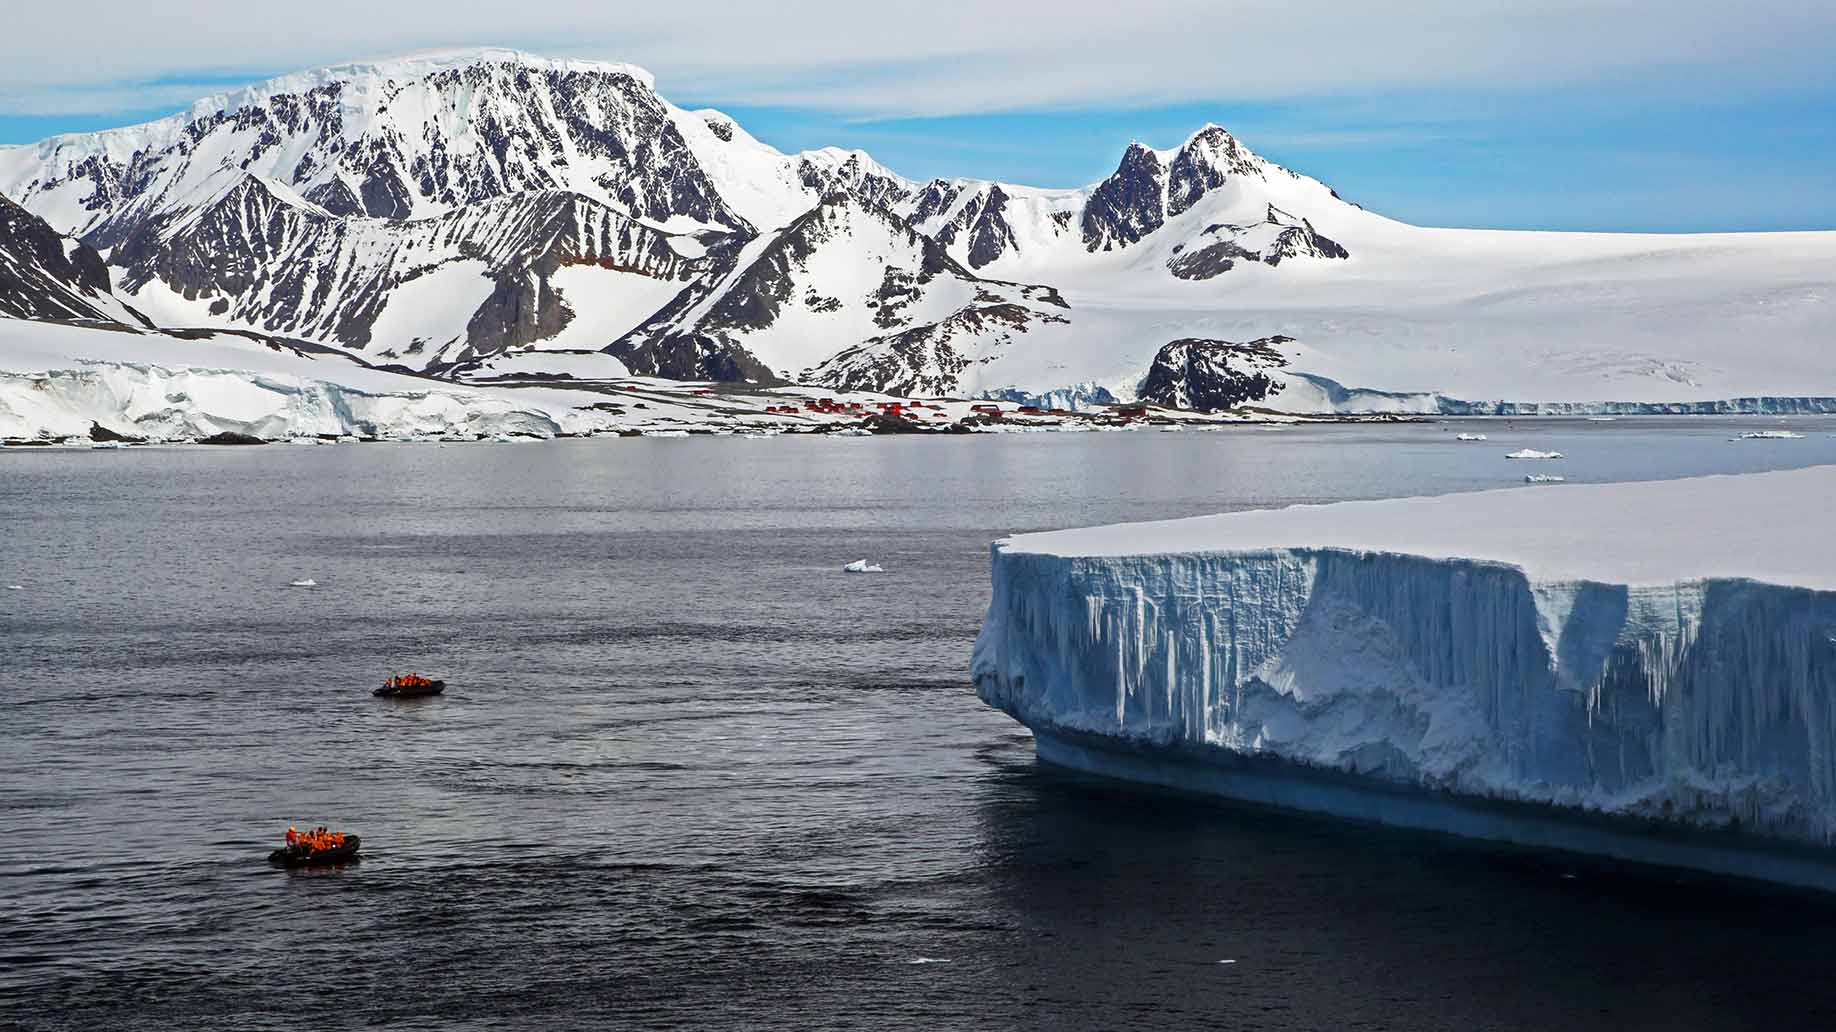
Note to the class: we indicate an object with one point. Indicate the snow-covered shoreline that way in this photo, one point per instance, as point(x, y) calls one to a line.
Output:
point(1662, 654)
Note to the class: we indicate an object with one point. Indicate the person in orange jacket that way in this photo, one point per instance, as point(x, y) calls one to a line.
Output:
point(293, 837)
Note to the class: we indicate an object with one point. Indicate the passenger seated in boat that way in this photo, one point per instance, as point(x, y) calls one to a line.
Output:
point(318, 839)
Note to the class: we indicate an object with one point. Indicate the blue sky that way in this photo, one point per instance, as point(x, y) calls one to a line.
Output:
point(1565, 114)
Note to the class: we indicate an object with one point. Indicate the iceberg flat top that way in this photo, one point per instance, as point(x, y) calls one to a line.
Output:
point(1770, 527)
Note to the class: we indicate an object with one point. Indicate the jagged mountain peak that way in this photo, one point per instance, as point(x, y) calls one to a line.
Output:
point(1128, 205)
point(376, 80)
point(437, 209)
point(410, 137)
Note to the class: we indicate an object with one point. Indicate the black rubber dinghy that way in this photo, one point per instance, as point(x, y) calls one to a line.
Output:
point(414, 691)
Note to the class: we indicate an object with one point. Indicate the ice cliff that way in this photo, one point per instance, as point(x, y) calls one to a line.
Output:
point(1662, 652)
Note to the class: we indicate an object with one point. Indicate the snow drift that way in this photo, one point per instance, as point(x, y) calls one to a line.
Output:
point(1648, 669)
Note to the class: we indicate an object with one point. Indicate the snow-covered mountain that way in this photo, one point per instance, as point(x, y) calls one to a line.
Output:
point(47, 275)
point(442, 212)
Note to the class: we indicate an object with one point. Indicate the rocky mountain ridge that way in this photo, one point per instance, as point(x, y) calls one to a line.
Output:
point(441, 212)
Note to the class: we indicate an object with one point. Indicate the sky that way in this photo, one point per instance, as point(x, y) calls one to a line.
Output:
point(1598, 115)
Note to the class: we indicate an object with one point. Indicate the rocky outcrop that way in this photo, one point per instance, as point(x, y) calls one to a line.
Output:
point(928, 360)
point(46, 275)
point(1211, 375)
point(855, 175)
point(1276, 239)
point(1207, 161)
point(983, 225)
point(691, 356)
point(1128, 205)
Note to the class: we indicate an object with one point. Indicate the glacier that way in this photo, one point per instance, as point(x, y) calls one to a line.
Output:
point(1645, 671)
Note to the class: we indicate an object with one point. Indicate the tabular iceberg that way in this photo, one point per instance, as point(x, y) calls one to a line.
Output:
point(1641, 670)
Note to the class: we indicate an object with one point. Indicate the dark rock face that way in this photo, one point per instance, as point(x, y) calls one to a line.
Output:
point(98, 432)
point(1210, 375)
point(293, 270)
point(933, 200)
point(855, 177)
point(733, 302)
point(691, 356)
point(1277, 238)
point(927, 360)
point(984, 226)
point(230, 437)
point(1128, 205)
point(1302, 242)
point(46, 275)
point(1210, 260)
point(336, 198)
point(1206, 162)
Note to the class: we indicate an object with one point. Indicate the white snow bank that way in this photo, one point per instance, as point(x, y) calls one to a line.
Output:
point(1660, 653)
point(57, 380)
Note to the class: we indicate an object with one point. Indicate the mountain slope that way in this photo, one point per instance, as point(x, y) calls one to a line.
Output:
point(46, 275)
point(428, 293)
point(444, 212)
point(846, 270)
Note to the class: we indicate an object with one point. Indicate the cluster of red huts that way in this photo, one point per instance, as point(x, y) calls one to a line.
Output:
point(831, 407)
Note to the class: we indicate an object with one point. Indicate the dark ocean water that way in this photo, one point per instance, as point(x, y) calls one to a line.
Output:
point(690, 775)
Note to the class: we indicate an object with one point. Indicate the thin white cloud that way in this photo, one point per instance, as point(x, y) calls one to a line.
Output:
point(939, 57)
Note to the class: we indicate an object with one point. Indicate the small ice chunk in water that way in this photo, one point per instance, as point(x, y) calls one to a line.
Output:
point(863, 566)
point(1469, 437)
point(1769, 435)
point(15, 587)
point(928, 960)
point(307, 583)
point(1544, 478)
point(1227, 960)
point(1532, 453)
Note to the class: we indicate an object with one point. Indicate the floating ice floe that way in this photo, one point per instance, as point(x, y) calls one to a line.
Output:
point(1469, 437)
point(1532, 453)
point(863, 566)
point(1769, 435)
point(665, 433)
point(307, 583)
point(15, 587)
point(928, 960)
point(1544, 478)
point(854, 431)
point(108, 444)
